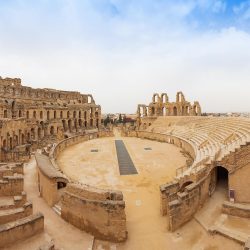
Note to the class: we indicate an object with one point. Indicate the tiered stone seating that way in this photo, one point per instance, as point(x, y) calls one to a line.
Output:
point(16, 219)
point(212, 137)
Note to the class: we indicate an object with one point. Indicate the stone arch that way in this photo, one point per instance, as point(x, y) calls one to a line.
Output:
point(175, 111)
point(219, 180)
point(153, 110)
point(5, 113)
point(52, 130)
point(39, 133)
point(180, 97)
point(164, 111)
point(156, 98)
point(185, 184)
point(164, 98)
point(64, 125)
point(70, 125)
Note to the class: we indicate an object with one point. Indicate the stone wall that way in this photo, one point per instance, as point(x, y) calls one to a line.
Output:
point(21, 229)
point(50, 178)
point(181, 198)
point(96, 211)
point(32, 118)
point(160, 106)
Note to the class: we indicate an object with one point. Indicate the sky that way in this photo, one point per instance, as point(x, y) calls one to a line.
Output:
point(123, 51)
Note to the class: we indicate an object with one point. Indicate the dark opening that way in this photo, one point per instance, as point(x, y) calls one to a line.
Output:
point(185, 185)
point(61, 185)
point(222, 177)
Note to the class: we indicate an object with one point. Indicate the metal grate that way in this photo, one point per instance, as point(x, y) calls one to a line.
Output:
point(126, 165)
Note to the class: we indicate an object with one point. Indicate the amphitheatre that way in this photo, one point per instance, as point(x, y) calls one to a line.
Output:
point(173, 179)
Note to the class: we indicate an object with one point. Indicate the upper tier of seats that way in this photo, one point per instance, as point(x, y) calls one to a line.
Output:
point(211, 137)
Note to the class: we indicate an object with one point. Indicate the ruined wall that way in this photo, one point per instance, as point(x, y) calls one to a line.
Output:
point(21, 229)
point(160, 106)
point(238, 165)
point(50, 179)
point(96, 211)
point(32, 118)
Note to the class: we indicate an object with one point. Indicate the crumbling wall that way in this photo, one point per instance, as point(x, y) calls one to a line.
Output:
point(96, 211)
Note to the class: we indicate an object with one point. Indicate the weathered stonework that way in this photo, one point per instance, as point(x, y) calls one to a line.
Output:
point(99, 212)
point(30, 118)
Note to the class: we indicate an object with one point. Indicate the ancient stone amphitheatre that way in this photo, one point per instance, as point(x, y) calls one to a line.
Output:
point(174, 179)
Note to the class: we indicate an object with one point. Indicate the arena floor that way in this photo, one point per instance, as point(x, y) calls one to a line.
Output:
point(147, 228)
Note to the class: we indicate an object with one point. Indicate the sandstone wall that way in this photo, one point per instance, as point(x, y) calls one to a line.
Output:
point(21, 229)
point(96, 211)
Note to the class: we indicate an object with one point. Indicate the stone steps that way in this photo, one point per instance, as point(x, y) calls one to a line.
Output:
point(13, 214)
point(57, 209)
point(237, 236)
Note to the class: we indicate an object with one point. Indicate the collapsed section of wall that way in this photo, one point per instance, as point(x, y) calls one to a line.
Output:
point(96, 211)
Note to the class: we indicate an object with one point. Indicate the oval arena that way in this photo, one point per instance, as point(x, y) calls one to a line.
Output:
point(172, 179)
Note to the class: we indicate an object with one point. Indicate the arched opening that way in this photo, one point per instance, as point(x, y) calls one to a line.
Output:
point(54, 114)
point(70, 125)
point(80, 114)
point(52, 130)
point(20, 113)
point(219, 181)
point(164, 111)
point(85, 124)
point(153, 111)
point(89, 99)
point(195, 110)
point(5, 114)
point(61, 114)
point(222, 177)
point(33, 136)
point(13, 109)
point(185, 184)
point(91, 122)
point(61, 184)
point(41, 114)
point(68, 114)
point(74, 114)
point(64, 125)
point(27, 114)
point(4, 144)
point(97, 123)
point(48, 115)
point(175, 111)
point(34, 114)
point(80, 123)
point(39, 133)
point(23, 139)
point(96, 114)
point(85, 115)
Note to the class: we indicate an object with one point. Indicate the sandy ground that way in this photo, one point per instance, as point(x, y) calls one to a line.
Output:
point(147, 228)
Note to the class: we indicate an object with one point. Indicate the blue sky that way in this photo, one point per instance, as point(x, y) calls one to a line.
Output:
point(124, 51)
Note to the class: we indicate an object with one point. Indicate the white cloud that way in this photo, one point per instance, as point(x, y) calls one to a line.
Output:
point(123, 59)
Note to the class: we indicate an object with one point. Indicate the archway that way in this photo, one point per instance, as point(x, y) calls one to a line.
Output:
point(185, 184)
point(175, 111)
point(219, 182)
